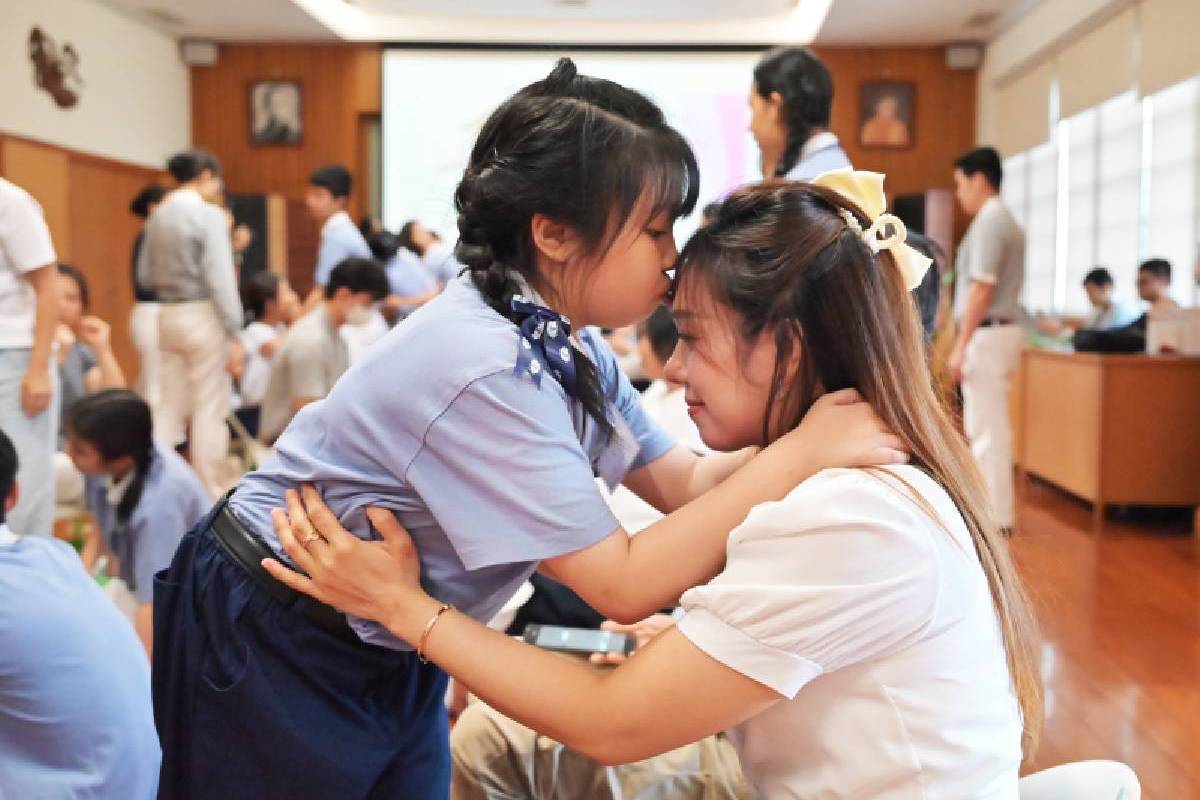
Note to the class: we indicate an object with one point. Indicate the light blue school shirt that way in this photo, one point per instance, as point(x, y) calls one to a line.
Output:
point(488, 472)
point(1120, 314)
point(76, 719)
point(340, 239)
point(440, 261)
point(172, 501)
point(408, 276)
point(820, 154)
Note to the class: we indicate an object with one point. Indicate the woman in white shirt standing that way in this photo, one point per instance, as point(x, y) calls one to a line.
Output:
point(868, 637)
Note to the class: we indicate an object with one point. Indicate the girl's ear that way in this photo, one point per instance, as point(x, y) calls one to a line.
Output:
point(775, 103)
point(554, 240)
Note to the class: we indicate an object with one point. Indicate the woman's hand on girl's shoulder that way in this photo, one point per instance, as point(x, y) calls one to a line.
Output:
point(842, 430)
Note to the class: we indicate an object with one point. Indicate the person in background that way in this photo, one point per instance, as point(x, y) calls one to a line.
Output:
point(990, 271)
point(187, 260)
point(1108, 311)
point(1154, 286)
point(412, 284)
point(86, 363)
point(314, 355)
point(790, 104)
point(28, 318)
point(326, 198)
point(75, 714)
point(271, 308)
point(928, 295)
point(143, 320)
point(142, 494)
point(437, 255)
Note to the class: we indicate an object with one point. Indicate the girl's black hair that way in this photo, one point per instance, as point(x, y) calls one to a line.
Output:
point(72, 272)
point(117, 423)
point(806, 87)
point(260, 289)
point(582, 151)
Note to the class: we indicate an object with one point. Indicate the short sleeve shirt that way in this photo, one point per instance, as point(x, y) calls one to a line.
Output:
point(253, 386)
point(310, 360)
point(873, 621)
point(24, 246)
point(72, 377)
point(75, 713)
point(992, 251)
point(172, 501)
point(340, 239)
point(489, 472)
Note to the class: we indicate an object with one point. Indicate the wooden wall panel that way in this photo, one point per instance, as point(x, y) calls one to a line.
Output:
point(86, 202)
point(945, 114)
point(338, 83)
point(342, 86)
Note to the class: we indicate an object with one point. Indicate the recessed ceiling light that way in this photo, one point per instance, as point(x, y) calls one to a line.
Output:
point(571, 3)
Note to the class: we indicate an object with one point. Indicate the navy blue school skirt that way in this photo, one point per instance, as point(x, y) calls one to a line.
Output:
point(252, 700)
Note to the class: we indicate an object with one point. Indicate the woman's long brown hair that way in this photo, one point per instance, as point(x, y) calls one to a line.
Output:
point(783, 258)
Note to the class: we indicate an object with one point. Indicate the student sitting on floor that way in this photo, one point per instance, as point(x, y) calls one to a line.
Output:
point(75, 715)
point(143, 495)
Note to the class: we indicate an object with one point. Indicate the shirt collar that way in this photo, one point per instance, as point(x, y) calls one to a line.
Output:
point(817, 142)
point(7, 537)
point(187, 194)
point(115, 490)
point(335, 219)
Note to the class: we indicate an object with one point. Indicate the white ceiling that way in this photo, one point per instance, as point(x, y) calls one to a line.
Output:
point(848, 22)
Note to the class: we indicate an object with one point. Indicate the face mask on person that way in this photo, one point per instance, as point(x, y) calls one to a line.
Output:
point(359, 315)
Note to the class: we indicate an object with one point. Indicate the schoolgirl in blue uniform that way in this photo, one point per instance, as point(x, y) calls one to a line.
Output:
point(143, 495)
point(482, 422)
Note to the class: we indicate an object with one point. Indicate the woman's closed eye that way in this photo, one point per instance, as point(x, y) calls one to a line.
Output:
point(656, 233)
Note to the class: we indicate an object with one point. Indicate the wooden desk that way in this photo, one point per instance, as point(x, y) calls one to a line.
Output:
point(1113, 429)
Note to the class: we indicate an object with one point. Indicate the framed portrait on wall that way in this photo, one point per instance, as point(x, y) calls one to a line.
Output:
point(276, 116)
point(887, 114)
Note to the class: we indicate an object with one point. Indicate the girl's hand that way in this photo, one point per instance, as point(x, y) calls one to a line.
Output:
point(842, 430)
point(372, 580)
point(644, 632)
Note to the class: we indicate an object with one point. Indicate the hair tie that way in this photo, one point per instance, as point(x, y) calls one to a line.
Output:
point(865, 189)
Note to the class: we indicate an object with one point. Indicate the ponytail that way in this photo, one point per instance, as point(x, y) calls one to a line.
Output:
point(117, 423)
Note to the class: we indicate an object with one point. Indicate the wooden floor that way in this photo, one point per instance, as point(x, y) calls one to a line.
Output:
point(1120, 617)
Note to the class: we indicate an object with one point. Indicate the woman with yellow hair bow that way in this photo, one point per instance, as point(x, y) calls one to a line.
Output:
point(868, 637)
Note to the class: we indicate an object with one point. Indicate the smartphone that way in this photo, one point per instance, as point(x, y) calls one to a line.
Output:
point(579, 640)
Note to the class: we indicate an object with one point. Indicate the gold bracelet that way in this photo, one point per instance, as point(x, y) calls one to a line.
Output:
point(429, 627)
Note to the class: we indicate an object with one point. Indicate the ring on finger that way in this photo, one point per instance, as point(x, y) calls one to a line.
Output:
point(311, 537)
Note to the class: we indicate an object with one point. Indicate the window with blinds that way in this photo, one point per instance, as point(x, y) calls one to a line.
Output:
point(1118, 189)
point(1040, 227)
point(1172, 216)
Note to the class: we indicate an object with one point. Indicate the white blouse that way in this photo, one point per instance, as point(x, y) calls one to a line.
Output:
point(876, 625)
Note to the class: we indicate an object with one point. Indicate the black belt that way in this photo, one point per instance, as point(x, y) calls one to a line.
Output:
point(248, 551)
point(994, 321)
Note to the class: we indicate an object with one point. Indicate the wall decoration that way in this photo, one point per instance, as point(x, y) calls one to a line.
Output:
point(887, 112)
point(276, 116)
point(55, 71)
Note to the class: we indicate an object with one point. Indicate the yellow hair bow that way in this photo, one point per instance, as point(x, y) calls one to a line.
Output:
point(865, 189)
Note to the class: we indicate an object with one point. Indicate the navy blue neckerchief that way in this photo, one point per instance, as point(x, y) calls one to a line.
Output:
point(545, 344)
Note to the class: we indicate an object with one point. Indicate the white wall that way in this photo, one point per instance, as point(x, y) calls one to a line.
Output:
point(135, 105)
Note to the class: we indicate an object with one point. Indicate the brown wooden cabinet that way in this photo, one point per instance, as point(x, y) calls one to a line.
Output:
point(1112, 429)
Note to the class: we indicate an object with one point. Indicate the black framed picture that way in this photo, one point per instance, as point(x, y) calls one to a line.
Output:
point(887, 114)
point(276, 116)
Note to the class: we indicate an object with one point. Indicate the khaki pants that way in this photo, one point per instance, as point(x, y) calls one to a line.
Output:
point(195, 387)
point(495, 758)
point(991, 357)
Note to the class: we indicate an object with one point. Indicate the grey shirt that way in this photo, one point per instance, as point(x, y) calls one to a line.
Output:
point(992, 251)
point(72, 381)
point(187, 256)
point(313, 356)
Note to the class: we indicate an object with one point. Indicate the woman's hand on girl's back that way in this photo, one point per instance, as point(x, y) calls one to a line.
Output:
point(371, 580)
point(842, 430)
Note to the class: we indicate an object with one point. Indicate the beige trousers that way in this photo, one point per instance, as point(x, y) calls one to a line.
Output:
point(991, 358)
point(495, 758)
point(195, 387)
